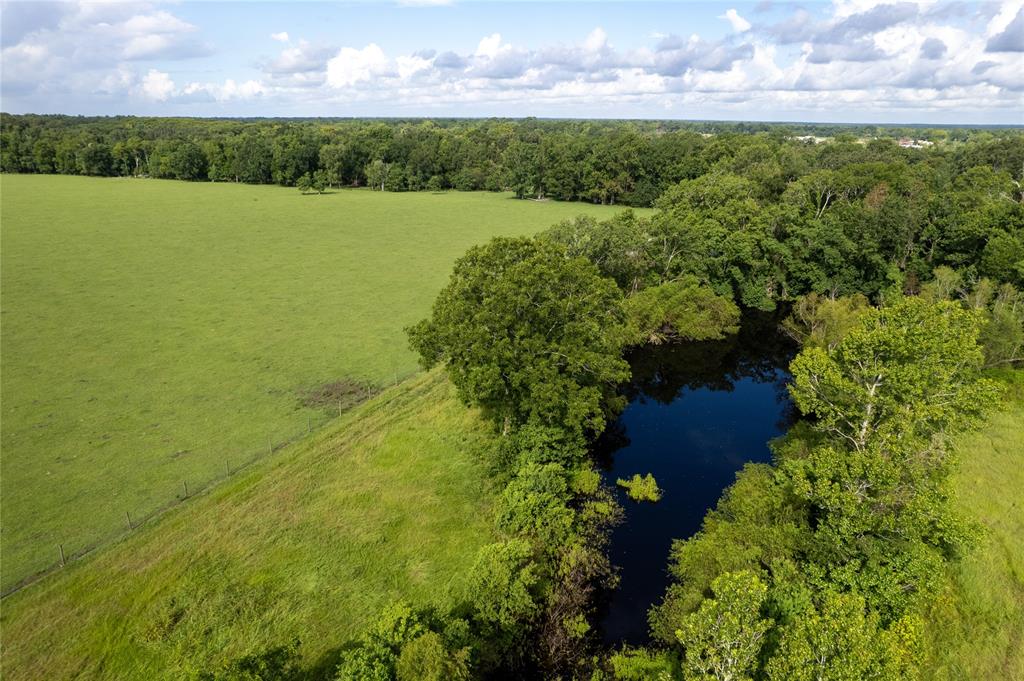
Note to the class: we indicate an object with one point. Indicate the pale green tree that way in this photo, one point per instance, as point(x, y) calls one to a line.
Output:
point(723, 637)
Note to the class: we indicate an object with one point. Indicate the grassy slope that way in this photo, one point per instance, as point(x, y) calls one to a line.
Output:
point(979, 632)
point(387, 502)
point(152, 330)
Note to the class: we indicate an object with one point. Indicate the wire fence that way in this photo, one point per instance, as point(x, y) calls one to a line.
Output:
point(76, 548)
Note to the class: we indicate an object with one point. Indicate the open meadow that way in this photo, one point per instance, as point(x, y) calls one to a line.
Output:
point(388, 502)
point(160, 333)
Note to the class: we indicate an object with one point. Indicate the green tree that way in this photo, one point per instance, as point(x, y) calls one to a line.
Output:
point(821, 322)
point(906, 370)
point(377, 173)
point(724, 637)
point(426, 658)
point(1002, 337)
point(680, 309)
point(529, 334)
point(842, 641)
point(533, 504)
point(188, 162)
point(319, 182)
point(95, 159)
point(376, 655)
point(502, 585)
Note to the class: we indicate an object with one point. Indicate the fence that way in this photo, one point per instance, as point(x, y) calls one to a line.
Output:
point(187, 490)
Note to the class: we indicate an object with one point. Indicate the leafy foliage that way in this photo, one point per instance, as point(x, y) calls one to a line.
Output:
point(680, 310)
point(723, 637)
point(641, 487)
point(820, 321)
point(529, 334)
point(842, 640)
point(502, 586)
point(906, 371)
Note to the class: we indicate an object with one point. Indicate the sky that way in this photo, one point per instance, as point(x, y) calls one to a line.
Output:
point(857, 61)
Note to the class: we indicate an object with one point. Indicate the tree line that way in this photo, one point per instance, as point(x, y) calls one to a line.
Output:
point(611, 162)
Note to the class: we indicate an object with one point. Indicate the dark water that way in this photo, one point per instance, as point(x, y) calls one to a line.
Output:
point(697, 412)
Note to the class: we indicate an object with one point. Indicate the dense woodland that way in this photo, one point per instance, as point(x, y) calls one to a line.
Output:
point(900, 271)
point(615, 162)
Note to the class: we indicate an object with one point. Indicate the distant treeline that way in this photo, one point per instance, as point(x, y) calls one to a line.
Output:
point(611, 162)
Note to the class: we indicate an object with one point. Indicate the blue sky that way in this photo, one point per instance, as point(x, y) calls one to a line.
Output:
point(848, 60)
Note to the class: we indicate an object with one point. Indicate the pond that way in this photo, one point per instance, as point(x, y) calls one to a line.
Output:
point(697, 413)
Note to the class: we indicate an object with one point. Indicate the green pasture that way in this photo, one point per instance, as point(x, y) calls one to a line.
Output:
point(977, 628)
point(159, 333)
point(388, 502)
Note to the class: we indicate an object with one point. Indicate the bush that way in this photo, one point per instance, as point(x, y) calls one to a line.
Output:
point(680, 310)
point(641, 488)
point(427, 659)
point(502, 585)
point(533, 504)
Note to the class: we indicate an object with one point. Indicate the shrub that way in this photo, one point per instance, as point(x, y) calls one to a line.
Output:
point(641, 488)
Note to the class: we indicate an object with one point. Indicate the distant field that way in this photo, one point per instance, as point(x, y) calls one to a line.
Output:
point(388, 502)
point(977, 630)
point(155, 331)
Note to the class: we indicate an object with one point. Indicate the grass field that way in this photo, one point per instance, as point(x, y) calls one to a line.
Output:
point(154, 332)
point(387, 502)
point(977, 630)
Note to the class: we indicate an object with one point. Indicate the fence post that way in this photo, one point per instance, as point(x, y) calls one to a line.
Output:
point(184, 485)
point(227, 467)
point(61, 547)
point(129, 517)
point(270, 446)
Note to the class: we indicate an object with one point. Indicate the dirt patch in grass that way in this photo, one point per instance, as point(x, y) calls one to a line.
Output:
point(339, 395)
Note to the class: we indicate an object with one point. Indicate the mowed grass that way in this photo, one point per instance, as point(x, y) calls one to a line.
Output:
point(977, 629)
point(159, 332)
point(388, 502)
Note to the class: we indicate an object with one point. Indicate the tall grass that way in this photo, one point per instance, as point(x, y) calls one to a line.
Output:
point(977, 628)
point(388, 502)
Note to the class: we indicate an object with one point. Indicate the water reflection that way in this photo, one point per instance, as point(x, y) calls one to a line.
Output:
point(697, 413)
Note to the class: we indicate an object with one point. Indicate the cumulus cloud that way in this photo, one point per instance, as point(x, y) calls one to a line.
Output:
point(1011, 38)
point(49, 42)
point(22, 18)
point(738, 23)
point(300, 58)
point(157, 85)
point(932, 48)
point(351, 66)
point(859, 54)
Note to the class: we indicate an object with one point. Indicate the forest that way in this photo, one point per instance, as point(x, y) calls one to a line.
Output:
point(613, 162)
point(899, 272)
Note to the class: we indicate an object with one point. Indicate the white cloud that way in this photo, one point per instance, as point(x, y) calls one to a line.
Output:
point(489, 47)
point(858, 55)
point(738, 23)
point(407, 66)
point(157, 85)
point(596, 41)
point(352, 66)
